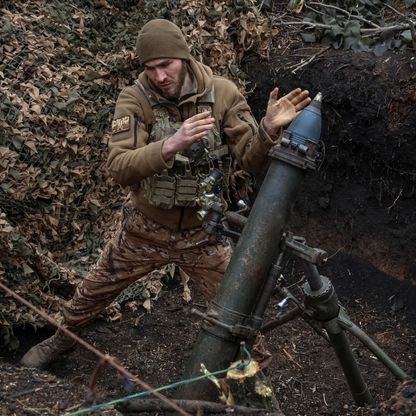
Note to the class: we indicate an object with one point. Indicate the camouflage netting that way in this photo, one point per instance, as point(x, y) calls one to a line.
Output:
point(62, 65)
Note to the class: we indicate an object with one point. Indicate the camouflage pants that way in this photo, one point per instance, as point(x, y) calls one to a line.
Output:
point(138, 247)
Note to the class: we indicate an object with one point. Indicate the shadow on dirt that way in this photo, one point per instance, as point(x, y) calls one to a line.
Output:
point(355, 279)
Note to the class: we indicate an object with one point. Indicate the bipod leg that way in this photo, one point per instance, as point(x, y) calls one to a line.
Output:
point(342, 348)
point(348, 325)
point(322, 305)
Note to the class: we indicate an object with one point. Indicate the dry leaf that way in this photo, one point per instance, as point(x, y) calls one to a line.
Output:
point(224, 390)
point(240, 370)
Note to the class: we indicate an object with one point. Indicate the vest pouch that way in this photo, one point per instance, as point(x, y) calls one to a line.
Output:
point(159, 190)
point(186, 191)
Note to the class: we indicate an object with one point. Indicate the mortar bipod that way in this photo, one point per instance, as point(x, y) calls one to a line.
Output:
point(321, 305)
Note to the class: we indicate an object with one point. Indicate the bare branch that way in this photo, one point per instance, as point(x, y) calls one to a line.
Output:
point(394, 10)
point(305, 23)
point(330, 6)
point(395, 200)
point(372, 31)
point(314, 10)
point(303, 64)
point(382, 29)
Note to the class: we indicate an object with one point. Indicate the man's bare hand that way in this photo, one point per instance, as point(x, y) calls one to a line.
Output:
point(192, 130)
point(282, 111)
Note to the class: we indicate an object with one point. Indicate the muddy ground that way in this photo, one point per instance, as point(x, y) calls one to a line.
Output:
point(304, 372)
point(359, 207)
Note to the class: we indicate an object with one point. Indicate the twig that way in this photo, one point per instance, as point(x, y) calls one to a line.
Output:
point(395, 200)
point(74, 407)
point(297, 67)
point(291, 358)
point(330, 6)
point(380, 29)
point(37, 410)
point(91, 393)
point(333, 255)
point(305, 23)
point(25, 392)
point(392, 8)
point(314, 10)
point(107, 358)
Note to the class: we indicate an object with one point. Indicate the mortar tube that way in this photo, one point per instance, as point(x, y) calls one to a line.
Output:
point(257, 249)
point(245, 275)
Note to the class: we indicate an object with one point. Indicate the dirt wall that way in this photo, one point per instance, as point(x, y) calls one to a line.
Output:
point(361, 201)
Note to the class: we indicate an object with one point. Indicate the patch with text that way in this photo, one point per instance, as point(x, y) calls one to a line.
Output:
point(120, 124)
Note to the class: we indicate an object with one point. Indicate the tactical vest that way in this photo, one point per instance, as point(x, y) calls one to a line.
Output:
point(180, 184)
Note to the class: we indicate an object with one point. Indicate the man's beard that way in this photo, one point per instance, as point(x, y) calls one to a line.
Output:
point(175, 94)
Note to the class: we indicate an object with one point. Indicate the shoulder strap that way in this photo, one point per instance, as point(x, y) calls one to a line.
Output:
point(147, 109)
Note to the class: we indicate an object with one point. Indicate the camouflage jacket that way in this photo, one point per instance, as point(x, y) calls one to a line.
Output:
point(133, 157)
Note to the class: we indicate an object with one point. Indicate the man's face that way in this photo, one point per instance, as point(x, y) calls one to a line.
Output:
point(167, 74)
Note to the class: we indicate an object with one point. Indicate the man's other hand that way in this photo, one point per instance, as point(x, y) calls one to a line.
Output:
point(281, 111)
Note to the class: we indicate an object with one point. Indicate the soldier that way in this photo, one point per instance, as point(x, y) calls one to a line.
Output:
point(170, 128)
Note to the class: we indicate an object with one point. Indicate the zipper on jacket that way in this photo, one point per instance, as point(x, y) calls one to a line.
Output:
point(136, 127)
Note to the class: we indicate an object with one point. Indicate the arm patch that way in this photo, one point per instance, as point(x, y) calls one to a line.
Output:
point(120, 124)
